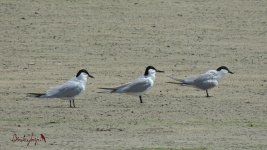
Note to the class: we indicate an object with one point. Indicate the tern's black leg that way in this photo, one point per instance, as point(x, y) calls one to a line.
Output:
point(73, 103)
point(140, 97)
point(70, 103)
point(207, 93)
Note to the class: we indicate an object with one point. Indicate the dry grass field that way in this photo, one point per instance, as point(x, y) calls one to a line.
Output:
point(45, 42)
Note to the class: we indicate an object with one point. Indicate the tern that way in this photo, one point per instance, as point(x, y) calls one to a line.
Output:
point(67, 90)
point(138, 86)
point(205, 81)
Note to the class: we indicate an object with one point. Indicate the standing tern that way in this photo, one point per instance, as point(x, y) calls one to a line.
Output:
point(139, 86)
point(67, 90)
point(205, 81)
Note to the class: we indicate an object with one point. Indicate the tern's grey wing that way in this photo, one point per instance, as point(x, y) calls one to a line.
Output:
point(206, 81)
point(199, 78)
point(68, 89)
point(190, 80)
point(203, 77)
point(120, 87)
point(139, 85)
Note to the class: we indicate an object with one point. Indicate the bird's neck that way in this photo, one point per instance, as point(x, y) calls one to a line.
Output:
point(221, 74)
point(82, 79)
point(151, 76)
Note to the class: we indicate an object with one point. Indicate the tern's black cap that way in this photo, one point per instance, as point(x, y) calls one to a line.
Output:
point(151, 67)
point(83, 71)
point(225, 68)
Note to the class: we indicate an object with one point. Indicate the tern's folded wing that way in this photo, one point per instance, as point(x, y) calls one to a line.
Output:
point(68, 89)
point(204, 77)
point(139, 85)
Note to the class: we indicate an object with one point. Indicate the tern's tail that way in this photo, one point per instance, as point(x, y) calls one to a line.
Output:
point(175, 83)
point(110, 90)
point(40, 95)
point(180, 81)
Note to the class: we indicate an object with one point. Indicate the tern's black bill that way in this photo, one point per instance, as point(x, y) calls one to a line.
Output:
point(159, 71)
point(231, 72)
point(90, 76)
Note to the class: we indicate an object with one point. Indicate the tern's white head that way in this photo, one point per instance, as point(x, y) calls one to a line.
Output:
point(83, 74)
point(221, 71)
point(151, 72)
